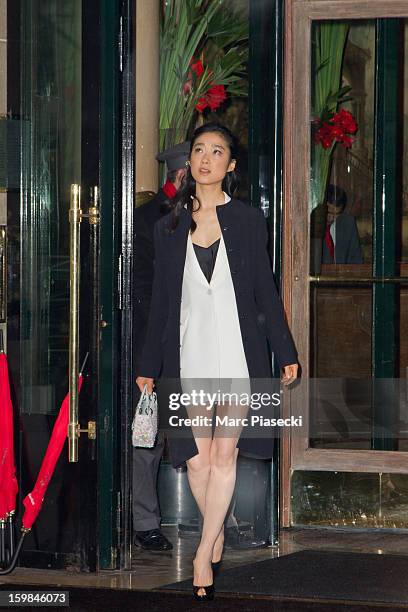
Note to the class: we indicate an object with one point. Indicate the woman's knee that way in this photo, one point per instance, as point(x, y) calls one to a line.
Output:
point(223, 452)
point(199, 463)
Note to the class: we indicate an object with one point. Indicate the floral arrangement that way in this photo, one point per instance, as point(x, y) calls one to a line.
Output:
point(215, 94)
point(330, 123)
point(332, 128)
point(338, 128)
point(203, 55)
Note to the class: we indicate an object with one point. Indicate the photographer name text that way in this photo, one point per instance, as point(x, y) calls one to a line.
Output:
point(228, 421)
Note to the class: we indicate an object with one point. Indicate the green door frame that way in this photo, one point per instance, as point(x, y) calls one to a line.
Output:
point(386, 175)
point(108, 464)
point(265, 140)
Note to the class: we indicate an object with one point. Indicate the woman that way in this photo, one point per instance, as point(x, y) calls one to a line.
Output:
point(214, 307)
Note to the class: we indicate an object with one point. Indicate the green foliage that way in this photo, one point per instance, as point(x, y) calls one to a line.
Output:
point(328, 44)
point(205, 29)
point(333, 101)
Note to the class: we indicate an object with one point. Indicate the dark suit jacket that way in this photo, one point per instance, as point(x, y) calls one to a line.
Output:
point(260, 310)
point(144, 220)
point(347, 244)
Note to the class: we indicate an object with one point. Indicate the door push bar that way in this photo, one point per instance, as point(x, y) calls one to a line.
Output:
point(75, 217)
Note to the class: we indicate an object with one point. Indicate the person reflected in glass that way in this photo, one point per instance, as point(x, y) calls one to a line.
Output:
point(341, 243)
point(214, 310)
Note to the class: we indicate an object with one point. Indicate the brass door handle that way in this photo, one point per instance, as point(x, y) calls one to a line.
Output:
point(75, 217)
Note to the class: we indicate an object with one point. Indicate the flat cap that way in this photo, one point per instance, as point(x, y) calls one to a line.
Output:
point(175, 157)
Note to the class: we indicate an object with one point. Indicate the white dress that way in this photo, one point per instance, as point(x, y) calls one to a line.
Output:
point(211, 346)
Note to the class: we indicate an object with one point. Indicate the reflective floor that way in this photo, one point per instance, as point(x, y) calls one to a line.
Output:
point(151, 570)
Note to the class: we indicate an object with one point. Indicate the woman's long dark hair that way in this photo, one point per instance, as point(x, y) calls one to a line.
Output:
point(185, 195)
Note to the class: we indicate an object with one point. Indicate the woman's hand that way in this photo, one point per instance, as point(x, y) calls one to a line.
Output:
point(141, 381)
point(290, 373)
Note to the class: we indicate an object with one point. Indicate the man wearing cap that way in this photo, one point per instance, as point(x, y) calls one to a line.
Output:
point(146, 461)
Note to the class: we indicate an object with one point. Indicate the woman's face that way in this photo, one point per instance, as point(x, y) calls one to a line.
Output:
point(210, 159)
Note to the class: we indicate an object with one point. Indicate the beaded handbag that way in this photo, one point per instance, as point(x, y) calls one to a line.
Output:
point(144, 426)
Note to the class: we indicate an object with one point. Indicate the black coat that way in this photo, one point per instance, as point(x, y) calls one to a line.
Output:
point(260, 310)
point(144, 220)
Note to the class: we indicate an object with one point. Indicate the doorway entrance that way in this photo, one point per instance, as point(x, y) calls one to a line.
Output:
point(59, 127)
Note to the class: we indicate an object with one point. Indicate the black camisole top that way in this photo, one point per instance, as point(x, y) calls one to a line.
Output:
point(206, 257)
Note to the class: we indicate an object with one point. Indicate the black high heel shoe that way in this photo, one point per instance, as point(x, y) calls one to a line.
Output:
point(208, 595)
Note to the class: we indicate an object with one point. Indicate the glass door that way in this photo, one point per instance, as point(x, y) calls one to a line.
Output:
point(56, 62)
point(347, 277)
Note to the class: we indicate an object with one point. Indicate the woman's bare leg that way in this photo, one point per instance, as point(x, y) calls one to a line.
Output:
point(198, 467)
point(212, 474)
point(198, 472)
point(220, 488)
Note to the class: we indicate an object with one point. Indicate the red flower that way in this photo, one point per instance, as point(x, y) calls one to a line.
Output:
point(345, 120)
point(197, 67)
point(338, 129)
point(337, 133)
point(324, 136)
point(187, 87)
point(201, 105)
point(347, 141)
point(214, 97)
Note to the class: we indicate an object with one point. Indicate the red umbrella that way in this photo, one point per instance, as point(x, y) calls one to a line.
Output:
point(8, 480)
point(34, 500)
